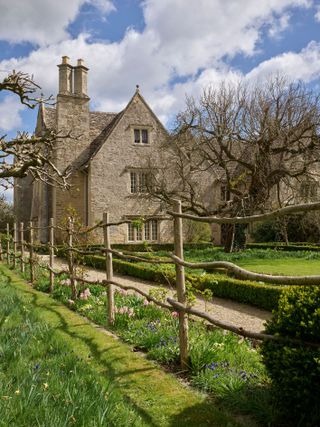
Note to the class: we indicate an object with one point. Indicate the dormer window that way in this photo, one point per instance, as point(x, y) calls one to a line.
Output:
point(141, 136)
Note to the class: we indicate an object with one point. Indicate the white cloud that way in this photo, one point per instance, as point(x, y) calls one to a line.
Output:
point(304, 65)
point(279, 25)
point(105, 6)
point(9, 114)
point(42, 21)
point(317, 14)
point(177, 41)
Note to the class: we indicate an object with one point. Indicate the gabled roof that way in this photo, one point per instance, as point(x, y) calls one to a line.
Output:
point(100, 139)
point(85, 157)
point(101, 127)
point(99, 121)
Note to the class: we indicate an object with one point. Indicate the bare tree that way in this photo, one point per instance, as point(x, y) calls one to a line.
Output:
point(254, 146)
point(25, 154)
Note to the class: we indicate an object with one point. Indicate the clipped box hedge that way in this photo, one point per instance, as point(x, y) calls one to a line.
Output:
point(284, 247)
point(258, 294)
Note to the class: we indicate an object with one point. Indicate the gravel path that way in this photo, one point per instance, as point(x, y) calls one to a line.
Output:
point(241, 315)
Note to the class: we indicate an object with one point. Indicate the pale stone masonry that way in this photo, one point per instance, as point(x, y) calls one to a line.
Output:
point(108, 156)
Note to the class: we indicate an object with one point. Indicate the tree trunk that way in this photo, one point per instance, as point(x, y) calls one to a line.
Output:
point(229, 238)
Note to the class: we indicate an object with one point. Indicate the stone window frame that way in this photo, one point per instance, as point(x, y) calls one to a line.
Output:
point(308, 189)
point(225, 194)
point(141, 128)
point(138, 181)
point(150, 229)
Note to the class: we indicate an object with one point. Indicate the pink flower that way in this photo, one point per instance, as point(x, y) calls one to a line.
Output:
point(70, 301)
point(175, 314)
point(146, 302)
point(87, 292)
point(121, 310)
point(83, 296)
point(130, 312)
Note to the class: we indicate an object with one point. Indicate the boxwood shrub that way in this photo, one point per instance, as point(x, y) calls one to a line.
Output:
point(284, 247)
point(295, 369)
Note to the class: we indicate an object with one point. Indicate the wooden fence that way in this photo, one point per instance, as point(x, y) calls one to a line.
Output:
point(15, 237)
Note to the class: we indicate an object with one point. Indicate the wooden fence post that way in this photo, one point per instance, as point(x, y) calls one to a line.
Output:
point(31, 253)
point(51, 253)
point(109, 268)
point(1, 251)
point(22, 246)
point(181, 288)
point(8, 244)
point(15, 236)
point(73, 283)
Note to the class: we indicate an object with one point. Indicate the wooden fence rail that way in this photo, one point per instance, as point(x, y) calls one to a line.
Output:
point(177, 259)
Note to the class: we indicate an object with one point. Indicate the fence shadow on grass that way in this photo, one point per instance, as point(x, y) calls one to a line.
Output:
point(111, 359)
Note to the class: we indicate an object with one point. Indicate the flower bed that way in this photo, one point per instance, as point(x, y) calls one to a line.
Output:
point(221, 363)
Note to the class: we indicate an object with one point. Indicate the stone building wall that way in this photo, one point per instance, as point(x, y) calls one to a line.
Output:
point(110, 170)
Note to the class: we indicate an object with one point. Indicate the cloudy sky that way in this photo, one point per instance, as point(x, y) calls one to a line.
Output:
point(169, 47)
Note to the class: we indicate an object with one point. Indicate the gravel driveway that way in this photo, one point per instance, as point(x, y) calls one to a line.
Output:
point(241, 315)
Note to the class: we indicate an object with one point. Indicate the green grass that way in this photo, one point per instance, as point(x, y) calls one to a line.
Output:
point(285, 266)
point(155, 398)
point(227, 367)
point(42, 380)
point(295, 263)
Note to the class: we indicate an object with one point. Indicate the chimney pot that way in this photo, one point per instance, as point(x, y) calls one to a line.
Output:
point(65, 60)
point(80, 62)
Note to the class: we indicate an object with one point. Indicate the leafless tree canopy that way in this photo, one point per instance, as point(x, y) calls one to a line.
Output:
point(258, 142)
point(27, 154)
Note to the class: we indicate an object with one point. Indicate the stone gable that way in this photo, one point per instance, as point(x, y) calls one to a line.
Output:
point(101, 153)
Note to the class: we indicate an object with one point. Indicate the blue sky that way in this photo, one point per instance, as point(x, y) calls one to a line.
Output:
point(170, 47)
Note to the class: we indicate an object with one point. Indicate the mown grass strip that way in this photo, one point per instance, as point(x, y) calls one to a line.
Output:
point(43, 382)
point(158, 397)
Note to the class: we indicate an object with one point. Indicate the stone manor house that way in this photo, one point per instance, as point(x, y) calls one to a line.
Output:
point(107, 159)
point(109, 156)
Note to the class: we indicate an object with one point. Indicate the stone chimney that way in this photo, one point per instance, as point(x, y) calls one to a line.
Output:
point(65, 77)
point(80, 79)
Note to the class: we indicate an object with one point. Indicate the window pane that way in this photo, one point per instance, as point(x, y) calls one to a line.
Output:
point(137, 136)
point(314, 189)
point(133, 182)
point(147, 230)
point(130, 233)
point(304, 189)
point(154, 229)
point(139, 233)
point(224, 193)
point(142, 182)
point(144, 136)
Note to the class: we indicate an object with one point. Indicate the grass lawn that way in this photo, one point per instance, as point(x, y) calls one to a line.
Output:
point(59, 370)
point(285, 266)
point(295, 263)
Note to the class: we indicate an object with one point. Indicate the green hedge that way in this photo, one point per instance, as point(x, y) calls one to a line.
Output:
point(295, 368)
point(257, 294)
point(284, 247)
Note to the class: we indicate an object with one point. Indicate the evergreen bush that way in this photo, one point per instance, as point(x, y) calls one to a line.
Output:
point(295, 369)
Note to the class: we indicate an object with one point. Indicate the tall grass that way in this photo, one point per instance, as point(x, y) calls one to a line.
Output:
point(43, 382)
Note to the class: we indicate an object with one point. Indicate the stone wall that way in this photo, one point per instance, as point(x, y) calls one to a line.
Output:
point(110, 170)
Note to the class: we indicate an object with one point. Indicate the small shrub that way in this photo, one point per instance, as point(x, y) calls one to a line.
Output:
point(295, 369)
